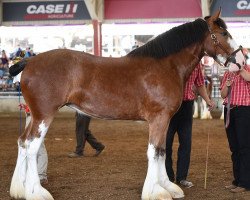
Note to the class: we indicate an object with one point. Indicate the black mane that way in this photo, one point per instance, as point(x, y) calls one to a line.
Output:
point(173, 40)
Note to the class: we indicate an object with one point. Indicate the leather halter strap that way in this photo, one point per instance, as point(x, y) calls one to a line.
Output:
point(217, 43)
point(230, 56)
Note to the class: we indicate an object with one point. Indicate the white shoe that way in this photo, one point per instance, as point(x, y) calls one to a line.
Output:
point(186, 184)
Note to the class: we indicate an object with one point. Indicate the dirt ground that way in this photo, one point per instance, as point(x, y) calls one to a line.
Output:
point(119, 172)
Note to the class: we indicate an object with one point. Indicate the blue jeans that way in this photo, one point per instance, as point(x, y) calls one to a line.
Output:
point(181, 123)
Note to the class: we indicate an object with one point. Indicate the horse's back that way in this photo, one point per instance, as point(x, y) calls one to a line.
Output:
point(70, 77)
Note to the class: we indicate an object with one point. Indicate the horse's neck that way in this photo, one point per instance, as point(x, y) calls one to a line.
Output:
point(187, 59)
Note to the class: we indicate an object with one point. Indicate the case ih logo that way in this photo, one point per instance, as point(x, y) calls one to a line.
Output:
point(51, 11)
point(242, 5)
point(243, 8)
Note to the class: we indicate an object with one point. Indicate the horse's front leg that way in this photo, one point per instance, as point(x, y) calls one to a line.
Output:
point(157, 184)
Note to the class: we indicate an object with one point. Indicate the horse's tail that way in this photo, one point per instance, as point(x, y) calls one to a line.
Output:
point(18, 67)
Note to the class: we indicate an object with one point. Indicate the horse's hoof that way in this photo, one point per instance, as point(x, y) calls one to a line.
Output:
point(158, 193)
point(175, 191)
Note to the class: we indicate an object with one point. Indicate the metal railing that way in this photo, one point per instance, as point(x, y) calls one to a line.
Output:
point(10, 95)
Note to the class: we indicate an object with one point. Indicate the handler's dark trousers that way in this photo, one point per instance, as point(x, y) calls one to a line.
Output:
point(83, 134)
point(238, 135)
point(181, 123)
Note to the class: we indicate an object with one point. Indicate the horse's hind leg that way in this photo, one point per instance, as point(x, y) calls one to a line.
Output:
point(17, 188)
point(29, 143)
point(157, 184)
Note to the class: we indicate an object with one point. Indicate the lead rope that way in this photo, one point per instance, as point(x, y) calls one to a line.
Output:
point(20, 109)
point(228, 106)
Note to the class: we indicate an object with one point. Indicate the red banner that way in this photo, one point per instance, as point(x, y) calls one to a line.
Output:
point(148, 9)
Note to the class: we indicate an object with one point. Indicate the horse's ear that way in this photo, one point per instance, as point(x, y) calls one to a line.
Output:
point(216, 15)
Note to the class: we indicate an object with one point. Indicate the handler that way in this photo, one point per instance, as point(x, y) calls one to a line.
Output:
point(181, 123)
point(238, 129)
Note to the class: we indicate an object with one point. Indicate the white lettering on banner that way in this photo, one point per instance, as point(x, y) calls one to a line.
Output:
point(74, 8)
point(52, 9)
point(59, 8)
point(31, 9)
point(40, 9)
point(243, 5)
point(67, 8)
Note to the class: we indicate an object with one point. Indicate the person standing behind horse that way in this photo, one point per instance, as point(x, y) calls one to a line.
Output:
point(181, 123)
point(238, 129)
point(83, 134)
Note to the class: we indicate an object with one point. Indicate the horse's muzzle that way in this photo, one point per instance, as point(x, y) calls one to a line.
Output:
point(236, 60)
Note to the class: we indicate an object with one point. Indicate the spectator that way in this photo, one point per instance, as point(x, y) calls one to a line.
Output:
point(1, 69)
point(5, 60)
point(32, 53)
point(83, 134)
point(18, 51)
point(135, 46)
point(235, 90)
point(10, 84)
point(27, 53)
point(181, 123)
point(3, 83)
point(4, 66)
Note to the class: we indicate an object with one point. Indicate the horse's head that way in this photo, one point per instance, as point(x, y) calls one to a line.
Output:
point(220, 45)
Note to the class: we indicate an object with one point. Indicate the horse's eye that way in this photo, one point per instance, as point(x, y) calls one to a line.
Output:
point(224, 33)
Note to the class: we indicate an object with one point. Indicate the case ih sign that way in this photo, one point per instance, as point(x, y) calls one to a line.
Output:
point(52, 10)
point(233, 8)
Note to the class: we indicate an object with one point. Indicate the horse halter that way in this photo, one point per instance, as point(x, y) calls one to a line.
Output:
point(231, 58)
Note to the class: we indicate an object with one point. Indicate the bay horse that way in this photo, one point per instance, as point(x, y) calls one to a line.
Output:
point(147, 84)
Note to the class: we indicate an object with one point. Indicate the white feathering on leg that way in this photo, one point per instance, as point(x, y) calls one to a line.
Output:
point(33, 188)
point(151, 189)
point(173, 189)
point(17, 187)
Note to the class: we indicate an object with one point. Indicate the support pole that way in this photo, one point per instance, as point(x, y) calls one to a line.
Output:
point(97, 37)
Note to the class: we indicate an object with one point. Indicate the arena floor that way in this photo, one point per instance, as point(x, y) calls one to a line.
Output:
point(119, 172)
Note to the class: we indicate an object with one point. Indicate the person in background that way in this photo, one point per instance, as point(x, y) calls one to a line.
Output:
point(32, 53)
point(27, 53)
point(83, 135)
point(4, 63)
point(181, 123)
point(235, 90)
point(3, 83)
point(135, 46)
point(5, 59)
point(18, 52)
